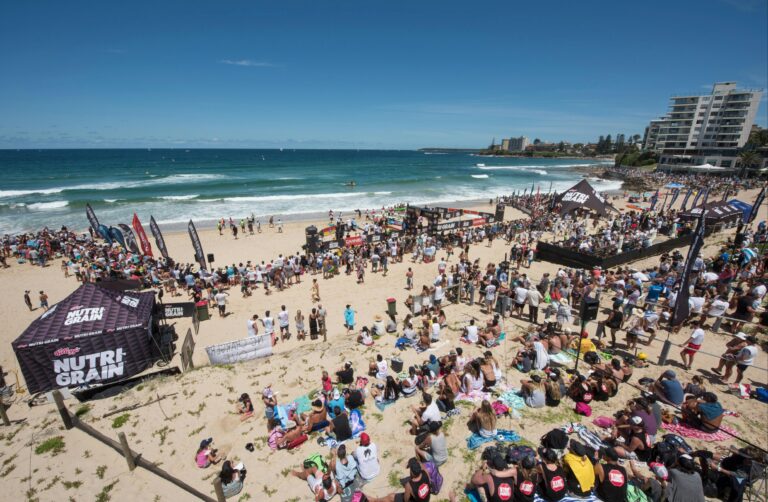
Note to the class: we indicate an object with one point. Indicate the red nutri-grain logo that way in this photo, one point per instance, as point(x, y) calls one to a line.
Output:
point(64, 351)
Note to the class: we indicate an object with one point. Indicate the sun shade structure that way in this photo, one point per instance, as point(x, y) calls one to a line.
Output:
point(93, 336)
point(715, 212)
point(583, 196)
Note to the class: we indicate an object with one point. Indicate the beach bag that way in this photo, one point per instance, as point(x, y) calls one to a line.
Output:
point(677, 441)
point(500, 408)
point(664, 452)
point(761, 394)
point(358, 496)
point(396, 364)
point(635, 494)
point(556, 439)
point(583, 409)
point(517, 453)
point(604, 422)
point(318, 461)
point(591, 357)
point(435, 478)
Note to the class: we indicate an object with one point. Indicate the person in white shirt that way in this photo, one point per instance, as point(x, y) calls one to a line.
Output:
point(435, 336)
point(521, 295)
point(692, 345)
point(221, 302)
point(470, 332)
point(284, 321)
point(367, 456)
point(269, 327)
point(253, 328)
point(490, 297)
point(534, 298)
point(382, 369)
point(744, 359)
point(425, 413)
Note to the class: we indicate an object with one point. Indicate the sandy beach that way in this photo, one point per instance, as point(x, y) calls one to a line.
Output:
point(200, 403)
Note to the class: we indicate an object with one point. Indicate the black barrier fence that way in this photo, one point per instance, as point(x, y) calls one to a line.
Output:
point(573, 258)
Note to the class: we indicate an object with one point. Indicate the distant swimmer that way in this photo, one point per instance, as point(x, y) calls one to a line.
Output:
point(351, 183)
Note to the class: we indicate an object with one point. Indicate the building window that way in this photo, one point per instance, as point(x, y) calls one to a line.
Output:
point(726, 163)
point(718, 98)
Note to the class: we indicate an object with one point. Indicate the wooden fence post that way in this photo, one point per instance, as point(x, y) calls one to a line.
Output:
point(63, 411)
point(127, 451)
point(218, 489)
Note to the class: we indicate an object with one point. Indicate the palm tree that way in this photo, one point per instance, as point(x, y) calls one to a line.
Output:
point(748, 158)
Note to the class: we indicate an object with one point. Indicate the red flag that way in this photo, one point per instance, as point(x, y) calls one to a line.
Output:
point(146, 247)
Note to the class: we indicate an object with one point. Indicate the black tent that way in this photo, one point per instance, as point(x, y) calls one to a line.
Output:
point(93, 336)
point(582, 196)
point(715, 212)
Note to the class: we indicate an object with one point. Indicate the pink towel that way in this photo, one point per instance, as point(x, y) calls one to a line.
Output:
point(687, 431)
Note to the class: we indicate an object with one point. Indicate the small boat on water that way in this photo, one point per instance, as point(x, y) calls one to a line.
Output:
point(479, 165)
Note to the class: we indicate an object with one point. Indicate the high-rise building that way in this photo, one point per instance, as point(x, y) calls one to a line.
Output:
point(707, 129)
point(505, 145)
point(518, 144)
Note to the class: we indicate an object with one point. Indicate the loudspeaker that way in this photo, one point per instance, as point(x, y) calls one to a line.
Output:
point(589, 308)
point(210, 257)
point(313, 242)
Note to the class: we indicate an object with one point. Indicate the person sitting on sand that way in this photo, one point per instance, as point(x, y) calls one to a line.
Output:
point(317, 418)
point(433, 448)
point(483, 420)
point(471, 333)
point(705, 414)
point(490, 369)
point(346, 375)
point(473, 379)
point(322, 484)
point(533, 392)
point(409, 384)
point(387, 392)
point(426, 412)
point(416, 487)
point(232, 478)
point(244, 407)
point(365, 337)
point(206, 455)
point(339, 427)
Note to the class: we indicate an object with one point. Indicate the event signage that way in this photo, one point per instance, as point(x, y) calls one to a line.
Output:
point(176, 310)
point(158, 237)
point(199, 256)
point(87, 368)
point(130, 239)
point(578, 197)
point(146, 247)
point(682, 309)
point(252, 347)
point(355, 240)
point(675, 194)
point(104, 232)
point(685, 200)
point(117, 235)
point(756, 206)
point(92, 219)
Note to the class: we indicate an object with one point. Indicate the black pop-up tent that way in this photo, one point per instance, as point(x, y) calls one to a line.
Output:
point(715, 212)
point(93, 336)
point(583, 196)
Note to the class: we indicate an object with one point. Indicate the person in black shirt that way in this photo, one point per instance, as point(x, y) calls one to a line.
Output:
point(611, 477)
point(353, 398)
point(346, 375)
point(339, 426)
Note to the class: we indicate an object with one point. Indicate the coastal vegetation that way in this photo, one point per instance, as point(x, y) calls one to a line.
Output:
point(637, 159)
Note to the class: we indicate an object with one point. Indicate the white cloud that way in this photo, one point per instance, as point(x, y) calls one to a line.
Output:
point(247, 62)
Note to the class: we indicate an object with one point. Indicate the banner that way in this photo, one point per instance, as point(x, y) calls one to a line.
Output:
point(199, 256)
point(682, 309)
point(663, 204)
point(146, 247)
point(176, 310)
point(756, 206)
point(356, 240)
point(117, 235)
point(130, 239)
point(158, 237)
point(104, 232)
point(675, 193)
point(696, 199)
point(92, 219)
point(685, 200)
point(654, 200)
point(249, 348)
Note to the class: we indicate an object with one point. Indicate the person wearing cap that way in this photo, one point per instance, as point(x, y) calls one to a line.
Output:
point(733, 347)
point(668, 388)
point(692, 345)
point(579, 471)
point(206, 455)
point(636, 442)
point(564, 315)
point(367, 457)
point(611, 477)
point(743, 360)
point(270, 402)
point(497, 478)
point(336, 401)
point(635, 328)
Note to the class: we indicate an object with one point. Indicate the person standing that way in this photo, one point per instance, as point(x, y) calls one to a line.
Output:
point(253, 328)
point(315, 291)
point(321, 325)
point(269, 327)
point(744, 359)
point(693, 344)
point(43, 300)
point(409, 279)
point(284, 321)
point(349, 319)
point(28, 300)
point(221, 301)
point(534, 298)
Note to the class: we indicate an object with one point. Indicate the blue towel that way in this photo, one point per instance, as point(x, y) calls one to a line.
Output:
point(502, 436)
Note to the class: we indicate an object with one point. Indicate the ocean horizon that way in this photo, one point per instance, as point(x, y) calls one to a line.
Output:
point(52, 187)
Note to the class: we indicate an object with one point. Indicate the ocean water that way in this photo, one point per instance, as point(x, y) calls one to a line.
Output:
point(51, 187)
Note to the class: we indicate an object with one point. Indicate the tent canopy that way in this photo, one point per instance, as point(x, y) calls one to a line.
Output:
point(583, 196)
point(715, 212)
point(674, 185)
point(707, 167)
point(746, 209)
point(90, 310)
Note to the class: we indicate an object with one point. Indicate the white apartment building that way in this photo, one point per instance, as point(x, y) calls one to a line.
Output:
point(518, 144)
point(705, 129)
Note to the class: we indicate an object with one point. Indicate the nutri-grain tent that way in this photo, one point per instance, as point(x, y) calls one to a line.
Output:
point(582, 196)
point(93, 336)
point(715, 212)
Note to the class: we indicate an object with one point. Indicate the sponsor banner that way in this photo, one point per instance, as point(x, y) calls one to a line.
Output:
point(104, 232)
point(443, 227)
point(478, 221)
point(177, 310)
point(756, 206)
point(685, 200)
point(146, 247)
point(92, 219)
point(675, 194)
point(158, 237)
point(333, 245)
point(117, 235)
point(353, 241)
point(682, 309)
point(249, 348)
point(196, 244)
point(130, 239)
point(328, 231)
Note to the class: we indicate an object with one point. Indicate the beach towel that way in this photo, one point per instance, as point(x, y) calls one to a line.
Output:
point(687, 431)
point(590, 438)
point(511, 399)
point(383, 405)
point(356, 423)
point(302, 404)
point(474, 396)
point(561, 358)
point(502, 436)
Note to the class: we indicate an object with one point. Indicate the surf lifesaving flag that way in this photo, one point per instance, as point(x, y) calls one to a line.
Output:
point(675, 194)
point(92, 219)
point(117, 235)
point(654, 200)
point(682, 309)
point(685, 200)
point(756, 206)
point(158, 237)
point(130, 239)
point(146, 247)
point(199, 256)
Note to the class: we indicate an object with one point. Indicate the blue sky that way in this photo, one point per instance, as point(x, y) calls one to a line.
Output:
point(362, 74)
